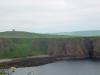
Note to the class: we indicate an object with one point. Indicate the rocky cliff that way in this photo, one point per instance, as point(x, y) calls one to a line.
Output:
point(80, 47)
point(5, 45)
point(71, 47)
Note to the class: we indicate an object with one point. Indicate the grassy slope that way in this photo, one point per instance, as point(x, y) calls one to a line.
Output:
point(82, 33)
point(20, 34)
point(22, 47)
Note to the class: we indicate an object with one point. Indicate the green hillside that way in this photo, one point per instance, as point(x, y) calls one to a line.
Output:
point(19, 47)
point(22, 34)
point(81, 33)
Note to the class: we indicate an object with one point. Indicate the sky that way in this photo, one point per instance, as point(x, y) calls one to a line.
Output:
point(49, 16)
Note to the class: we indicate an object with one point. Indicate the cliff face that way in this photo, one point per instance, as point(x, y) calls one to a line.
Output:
point(5, 45)
point(96, 48)
point(73, 48)
point(78, 47)
point(69, 47)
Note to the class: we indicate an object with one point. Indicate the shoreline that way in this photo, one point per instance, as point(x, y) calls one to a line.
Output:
point(38, 60)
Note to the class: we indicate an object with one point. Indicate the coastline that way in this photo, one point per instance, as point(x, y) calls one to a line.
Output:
point(38, 60)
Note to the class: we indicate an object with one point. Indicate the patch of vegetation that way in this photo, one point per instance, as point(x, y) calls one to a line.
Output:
point(21, 47)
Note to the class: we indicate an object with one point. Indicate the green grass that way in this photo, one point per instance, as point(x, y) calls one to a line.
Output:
point(21, 53)
point(21, 47)
point(2, 73)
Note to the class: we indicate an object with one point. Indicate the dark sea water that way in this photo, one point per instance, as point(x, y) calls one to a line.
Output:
point(71, 67)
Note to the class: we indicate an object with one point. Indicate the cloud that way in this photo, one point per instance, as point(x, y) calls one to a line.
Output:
point(47, 15)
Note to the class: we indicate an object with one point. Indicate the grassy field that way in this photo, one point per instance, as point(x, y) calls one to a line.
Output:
point(20, 47)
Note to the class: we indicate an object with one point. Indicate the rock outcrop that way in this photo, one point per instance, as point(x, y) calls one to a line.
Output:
point(81, 47)
point(71, 47)
point(96, 48)
point(5, 45)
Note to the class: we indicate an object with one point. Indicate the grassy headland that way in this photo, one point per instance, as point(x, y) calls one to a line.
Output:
point(16, 44)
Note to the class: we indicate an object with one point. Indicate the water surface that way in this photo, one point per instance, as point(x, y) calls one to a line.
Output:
point(79, 67)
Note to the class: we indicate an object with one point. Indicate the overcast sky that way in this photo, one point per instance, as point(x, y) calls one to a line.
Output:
point(48, 16)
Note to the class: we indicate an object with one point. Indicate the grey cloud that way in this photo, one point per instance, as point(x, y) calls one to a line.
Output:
point(44, 15)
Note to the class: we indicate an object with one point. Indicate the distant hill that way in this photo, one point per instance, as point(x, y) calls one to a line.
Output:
point(17, 34)
point(81, 33)
point(22, 34)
